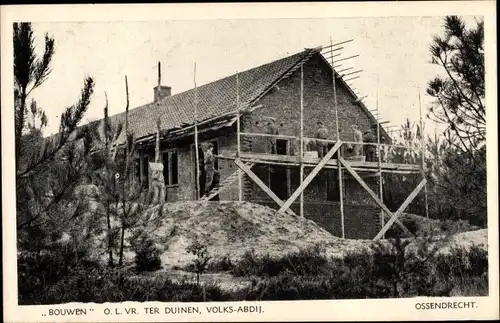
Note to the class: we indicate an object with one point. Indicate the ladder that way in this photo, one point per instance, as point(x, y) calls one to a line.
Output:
point(225, 182)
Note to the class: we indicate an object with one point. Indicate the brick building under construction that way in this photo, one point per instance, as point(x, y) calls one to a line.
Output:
point(233, 114)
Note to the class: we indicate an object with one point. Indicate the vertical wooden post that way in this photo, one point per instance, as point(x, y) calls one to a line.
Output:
point(422, 151)
point(141, 165)
point(128, 158)
point(380, 180)
point(127, 106)
point(341, 186)
point(301, 137)
point(238, 130)
point(157, 146)
point(197, 154)
point(158, 122)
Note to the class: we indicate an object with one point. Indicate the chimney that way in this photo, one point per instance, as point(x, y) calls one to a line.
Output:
point(161, 91)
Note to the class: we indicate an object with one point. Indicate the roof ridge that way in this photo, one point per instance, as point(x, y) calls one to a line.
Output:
point(307, 53)
point(149, 104)
point(244, 71)
point(216, 97)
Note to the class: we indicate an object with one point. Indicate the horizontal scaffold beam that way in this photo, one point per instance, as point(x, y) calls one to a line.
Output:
point(288, 160)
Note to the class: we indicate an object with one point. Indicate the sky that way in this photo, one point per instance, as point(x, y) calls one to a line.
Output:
point(393, 56)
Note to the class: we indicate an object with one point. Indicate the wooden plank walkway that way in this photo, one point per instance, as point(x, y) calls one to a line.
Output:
point(312, 162)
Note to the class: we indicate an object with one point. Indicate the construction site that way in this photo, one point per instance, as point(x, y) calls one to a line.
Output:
point(291, 134)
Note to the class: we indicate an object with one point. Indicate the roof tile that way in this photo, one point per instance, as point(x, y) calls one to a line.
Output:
point(214, 98)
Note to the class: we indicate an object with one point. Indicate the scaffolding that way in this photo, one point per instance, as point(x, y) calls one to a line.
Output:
point(355, 168)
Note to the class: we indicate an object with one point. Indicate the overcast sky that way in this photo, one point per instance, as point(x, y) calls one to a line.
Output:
point(394, 57)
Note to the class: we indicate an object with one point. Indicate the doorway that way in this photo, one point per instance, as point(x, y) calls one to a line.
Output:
point(201, 162)
point(278, 175)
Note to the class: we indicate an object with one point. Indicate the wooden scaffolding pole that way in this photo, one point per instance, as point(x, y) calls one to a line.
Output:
point(337, 133)
point(197, 154)
point(301, 138)
point(238, 131)
point(422, 152)
point(380, 179)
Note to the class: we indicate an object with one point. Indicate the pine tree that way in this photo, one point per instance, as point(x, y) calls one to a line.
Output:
point(460, 172)
point(459, 95)
point(123, 198)
point(47, 169)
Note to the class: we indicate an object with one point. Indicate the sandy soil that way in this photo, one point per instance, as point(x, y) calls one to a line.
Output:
point(233, 228)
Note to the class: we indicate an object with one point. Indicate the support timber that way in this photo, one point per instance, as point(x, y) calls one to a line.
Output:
point(373, 195)
point(310, 177)
point(401, 209)
point(261, 184)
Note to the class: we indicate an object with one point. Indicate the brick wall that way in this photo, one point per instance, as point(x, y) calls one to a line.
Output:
point(283, 104)
point(360, 221)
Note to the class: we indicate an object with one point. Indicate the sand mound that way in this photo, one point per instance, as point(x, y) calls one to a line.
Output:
point(466, 240)
point(232, 228)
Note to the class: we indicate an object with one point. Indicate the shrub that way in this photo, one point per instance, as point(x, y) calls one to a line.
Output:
point(462, 263)
point(39, 272)
point(221, 264)
point(147, 255)
point(393, 269)
point(309, 261)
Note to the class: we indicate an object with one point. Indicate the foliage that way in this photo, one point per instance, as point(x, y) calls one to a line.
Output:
point(397, 187)
point(202, 258)
point(459, 162)
point(392, 269)
point(47, 169)
point(41, 273)
point(220, 264)
point(123, 198)
point(147, 255)
point(118, 285)
point(458, 182)
point(309, 261)
point(460, 93)
point(455, 161)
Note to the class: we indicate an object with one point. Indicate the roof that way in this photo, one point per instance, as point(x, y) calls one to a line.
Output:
point(217, 98)
point(214, 99)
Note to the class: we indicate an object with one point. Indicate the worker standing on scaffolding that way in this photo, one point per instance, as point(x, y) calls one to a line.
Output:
point(273, 131)
point(209, 167)
point(370, 150)
point(358, 137)
point(322, 134)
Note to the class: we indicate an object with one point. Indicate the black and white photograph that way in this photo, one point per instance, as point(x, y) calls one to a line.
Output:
point(190, 161)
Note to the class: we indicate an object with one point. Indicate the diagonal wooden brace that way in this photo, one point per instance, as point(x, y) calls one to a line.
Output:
point(401, 209)
point(387, 212)
point(310, 177)
point(261, 184)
